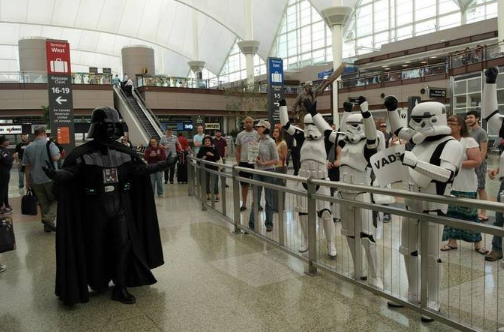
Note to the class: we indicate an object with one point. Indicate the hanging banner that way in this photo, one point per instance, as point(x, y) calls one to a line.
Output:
point(59, 85)
point(275, 88)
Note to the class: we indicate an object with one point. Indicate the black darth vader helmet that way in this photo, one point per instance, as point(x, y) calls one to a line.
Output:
point(105, 124)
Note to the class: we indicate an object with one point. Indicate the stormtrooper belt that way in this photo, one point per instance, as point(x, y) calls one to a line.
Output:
point(320, 174)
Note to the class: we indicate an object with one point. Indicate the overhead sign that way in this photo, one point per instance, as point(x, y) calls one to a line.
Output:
point(354, 100)
point(325, 74)
point(93, 70)
point(275, 88)
point(11, 130)
point(60, 92)
point(212, 126)
point(437, 93)
point(107, 70)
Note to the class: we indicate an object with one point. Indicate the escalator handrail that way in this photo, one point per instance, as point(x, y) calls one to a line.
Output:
point(123, 95)
point(148, 113)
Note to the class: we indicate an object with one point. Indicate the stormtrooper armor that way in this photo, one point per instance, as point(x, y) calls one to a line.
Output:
point(313, 164)
point(490, 110)
point(432, 165)
point(359, 144)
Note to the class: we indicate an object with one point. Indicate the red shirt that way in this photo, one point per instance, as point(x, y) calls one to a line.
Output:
point(220, 145)
point(183, 142)
point(160, 155)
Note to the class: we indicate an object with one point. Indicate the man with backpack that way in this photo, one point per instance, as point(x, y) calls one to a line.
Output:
point(37, 155)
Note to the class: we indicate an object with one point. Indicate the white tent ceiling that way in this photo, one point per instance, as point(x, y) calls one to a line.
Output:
point(98, 29)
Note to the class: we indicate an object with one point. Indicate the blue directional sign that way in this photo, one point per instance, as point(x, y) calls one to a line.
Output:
point(275, 87)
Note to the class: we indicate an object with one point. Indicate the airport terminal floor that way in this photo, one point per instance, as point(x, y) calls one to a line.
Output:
point(212, 280)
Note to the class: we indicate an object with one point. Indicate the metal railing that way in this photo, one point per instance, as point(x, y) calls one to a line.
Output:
point(477, 55)
point(393, 75)
point(471, 292)
point(41, 77)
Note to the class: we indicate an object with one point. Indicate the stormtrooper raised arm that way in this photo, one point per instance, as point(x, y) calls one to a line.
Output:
point(432, 164)
point(428, 122)
point(354, 152)
point(313, 164)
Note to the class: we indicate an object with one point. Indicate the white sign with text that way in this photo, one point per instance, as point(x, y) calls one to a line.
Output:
point(388, 167)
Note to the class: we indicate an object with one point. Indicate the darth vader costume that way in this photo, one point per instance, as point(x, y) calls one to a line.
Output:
point(107, 221)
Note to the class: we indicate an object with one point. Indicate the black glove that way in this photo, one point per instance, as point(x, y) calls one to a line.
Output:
point(283, 102)
point(49, 171)
point(310, 107)
point(347, 106)
point(390, 103)
point(362, 100)
point(491, 75)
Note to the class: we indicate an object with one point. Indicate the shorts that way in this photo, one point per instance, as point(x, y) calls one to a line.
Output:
point(481, 172)
point(246, 174)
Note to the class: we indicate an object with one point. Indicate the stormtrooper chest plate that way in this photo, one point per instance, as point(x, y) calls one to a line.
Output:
point(352, 155)
point(423, 152)
point(314, 150)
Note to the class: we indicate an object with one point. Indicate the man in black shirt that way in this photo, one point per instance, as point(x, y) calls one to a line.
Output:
point(18, 155)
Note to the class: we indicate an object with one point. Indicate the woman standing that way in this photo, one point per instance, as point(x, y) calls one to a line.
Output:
point(464, 185)
point(6, 160)
point(209, 153)
point(281, 166)
point(266, 161)
point(154, 154)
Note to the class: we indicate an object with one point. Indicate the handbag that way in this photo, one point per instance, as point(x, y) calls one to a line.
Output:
point(29, 203)
point(7, 239)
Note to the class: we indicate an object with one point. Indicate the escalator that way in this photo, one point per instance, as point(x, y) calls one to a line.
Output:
point(141, 121)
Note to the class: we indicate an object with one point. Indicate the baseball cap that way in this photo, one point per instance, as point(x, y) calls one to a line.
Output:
point(263, 123)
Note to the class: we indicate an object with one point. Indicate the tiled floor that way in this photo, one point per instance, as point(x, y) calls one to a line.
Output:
point(215, 280)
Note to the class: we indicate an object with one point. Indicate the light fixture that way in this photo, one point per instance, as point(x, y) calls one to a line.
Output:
point(407, 62)
point(433, 57)
point(387, 68)
point(405, 65)
point(423, 62)
point(384, 66)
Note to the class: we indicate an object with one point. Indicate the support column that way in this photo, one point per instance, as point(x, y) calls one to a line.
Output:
point(32, 59)
point(336, 17)
point(249, 46)
point(500, 20)
point(196, 66)
point(138, 59)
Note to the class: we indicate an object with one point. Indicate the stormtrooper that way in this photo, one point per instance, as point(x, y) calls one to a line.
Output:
point(495, 121)
point(432, 165)
point(313, 164)
point(359, 144)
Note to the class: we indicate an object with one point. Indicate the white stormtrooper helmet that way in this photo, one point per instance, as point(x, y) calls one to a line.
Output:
point(428, 119)
point(310, 129)
point(354, 128)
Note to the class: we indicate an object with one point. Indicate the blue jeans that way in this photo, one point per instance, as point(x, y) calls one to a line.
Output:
point(215, 184)
point(269, 200)
point(499, 222)
point(157, 179)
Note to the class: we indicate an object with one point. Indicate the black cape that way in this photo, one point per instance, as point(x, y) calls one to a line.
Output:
point(72, 249)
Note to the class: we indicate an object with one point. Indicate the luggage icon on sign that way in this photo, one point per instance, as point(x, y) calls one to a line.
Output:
point(59, 66)
point(276, 77)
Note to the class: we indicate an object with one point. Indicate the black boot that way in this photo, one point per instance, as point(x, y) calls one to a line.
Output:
point(120, 293)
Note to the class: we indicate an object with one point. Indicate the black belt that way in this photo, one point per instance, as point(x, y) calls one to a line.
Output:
point(108, 189)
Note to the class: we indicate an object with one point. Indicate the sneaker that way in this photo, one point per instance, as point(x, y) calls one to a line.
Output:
point(3, 267)
point(269, 228)
point(260, 208)
point(6, 211)
point(243, 208)
point(49, 226)
point(493, 256)
point(387, 217)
